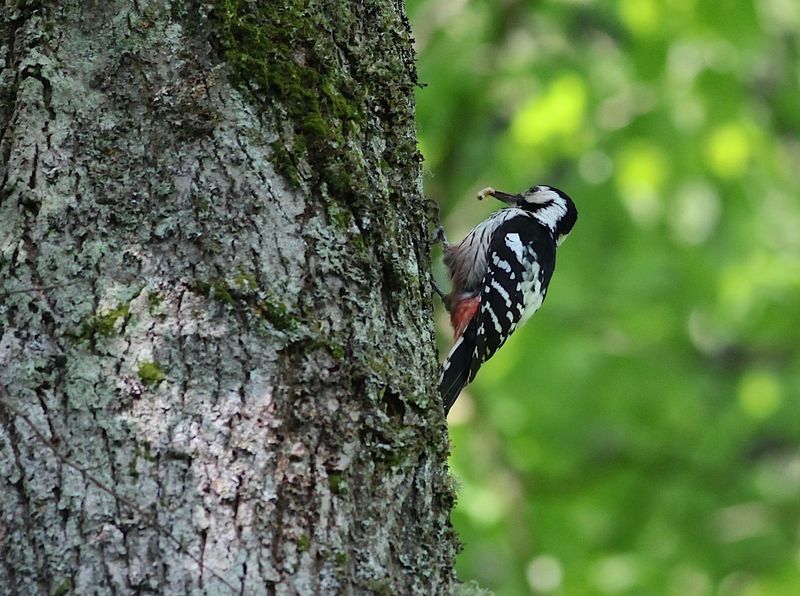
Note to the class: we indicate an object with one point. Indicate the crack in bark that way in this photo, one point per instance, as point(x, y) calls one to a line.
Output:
point(146, 517)
point(32, 206)
point(45, 578)
point(203, 539)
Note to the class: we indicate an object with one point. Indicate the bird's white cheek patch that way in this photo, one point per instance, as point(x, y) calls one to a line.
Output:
point(552, 214)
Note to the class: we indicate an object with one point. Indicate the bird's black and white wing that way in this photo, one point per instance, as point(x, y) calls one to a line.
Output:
point(521, 259)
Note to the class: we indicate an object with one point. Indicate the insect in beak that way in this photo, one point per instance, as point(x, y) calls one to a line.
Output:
point(500, 196)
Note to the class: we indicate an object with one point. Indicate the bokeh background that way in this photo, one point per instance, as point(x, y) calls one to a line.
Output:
point(641, 434)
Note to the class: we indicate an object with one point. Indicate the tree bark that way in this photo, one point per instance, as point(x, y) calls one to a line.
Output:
point(217, 357)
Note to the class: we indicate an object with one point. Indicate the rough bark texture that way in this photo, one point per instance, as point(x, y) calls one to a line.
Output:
point(224, 379)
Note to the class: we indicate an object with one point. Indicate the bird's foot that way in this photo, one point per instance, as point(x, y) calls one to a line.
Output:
point(438, 236)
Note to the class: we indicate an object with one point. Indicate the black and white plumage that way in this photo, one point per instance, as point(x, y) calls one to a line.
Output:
point(500, 273)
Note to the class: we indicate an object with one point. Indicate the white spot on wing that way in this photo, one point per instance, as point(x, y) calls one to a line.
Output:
point(501, 264)
point(502, 291)
point(514, 243)
point(497, 326)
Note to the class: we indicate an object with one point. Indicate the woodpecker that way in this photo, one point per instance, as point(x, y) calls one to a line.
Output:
point(499, 274)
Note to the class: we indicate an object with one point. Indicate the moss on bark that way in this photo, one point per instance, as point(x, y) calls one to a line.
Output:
point(328, 72)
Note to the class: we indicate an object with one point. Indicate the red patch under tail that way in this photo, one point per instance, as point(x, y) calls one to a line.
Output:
point(461, 314)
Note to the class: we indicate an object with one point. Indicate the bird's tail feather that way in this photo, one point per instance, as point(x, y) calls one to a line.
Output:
point(456, 367)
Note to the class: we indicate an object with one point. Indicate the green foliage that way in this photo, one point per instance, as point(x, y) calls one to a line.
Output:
point(640, 435)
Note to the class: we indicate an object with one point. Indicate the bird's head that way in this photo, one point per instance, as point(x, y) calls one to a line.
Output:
point(550, 206)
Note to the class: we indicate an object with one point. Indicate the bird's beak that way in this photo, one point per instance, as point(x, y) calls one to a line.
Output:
point(500, 196)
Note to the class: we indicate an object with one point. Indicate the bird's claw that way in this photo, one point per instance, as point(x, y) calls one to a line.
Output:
point(439, 236)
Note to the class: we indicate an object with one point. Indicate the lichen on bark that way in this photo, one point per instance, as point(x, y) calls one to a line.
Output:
point(216, 340)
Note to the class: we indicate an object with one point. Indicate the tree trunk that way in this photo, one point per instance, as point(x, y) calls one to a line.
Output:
point(217, 357)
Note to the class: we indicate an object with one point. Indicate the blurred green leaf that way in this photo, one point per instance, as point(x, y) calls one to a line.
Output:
point(641, 434)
